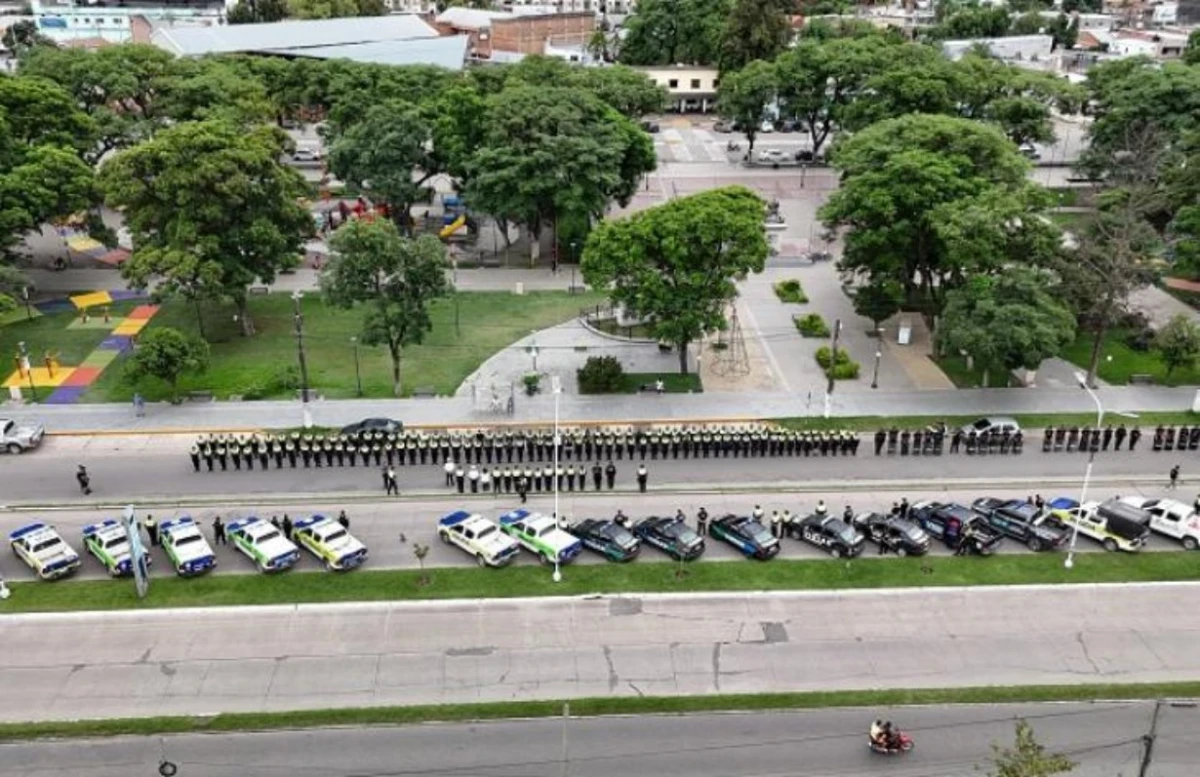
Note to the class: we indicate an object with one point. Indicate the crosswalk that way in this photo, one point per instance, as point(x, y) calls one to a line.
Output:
point(692, 145)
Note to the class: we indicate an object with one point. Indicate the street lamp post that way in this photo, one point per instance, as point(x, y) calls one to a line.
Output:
point(556, 384)
point(28, 367)
point(875, 377)
point(357, 369)
point(1087, 473)
point(28, 305)
point(299, 321)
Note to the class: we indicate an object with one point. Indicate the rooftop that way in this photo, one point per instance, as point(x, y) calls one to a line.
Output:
point(470, 18)
point(291, 36)
point(449, 52)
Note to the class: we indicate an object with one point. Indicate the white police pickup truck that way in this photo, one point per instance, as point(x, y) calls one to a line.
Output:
point(46, 553)
point(186, 546)
point(478, 537)
point(263, 544)
point(540, 535)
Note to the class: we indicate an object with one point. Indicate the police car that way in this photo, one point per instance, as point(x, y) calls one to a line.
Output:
point(108, 542)
point(46, 553)
point(747, 535)
point(263, 544)
point(833, 535)
point(671, 535)
point(540, 535)
point(330, 542)
point(478, 537)
point(186, 547)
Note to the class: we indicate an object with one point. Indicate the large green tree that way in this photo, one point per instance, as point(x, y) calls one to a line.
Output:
point(43, 138)
point(394, 279)
point(550, 152)
point(210, 88)
point(166, 354)
point(257, 11)
point(677, 263)
point(1178, 343)
point(926, 201)
point(210, 208)
point(1010, 320)
point(745, 95)
point(754, 30)
point(389, 156)
point(673, 32)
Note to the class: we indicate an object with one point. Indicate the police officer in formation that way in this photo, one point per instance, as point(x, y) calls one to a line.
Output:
point(1086, 439)
point(491, 448)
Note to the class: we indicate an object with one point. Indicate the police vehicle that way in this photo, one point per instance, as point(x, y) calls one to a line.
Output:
point(330, 542)
point(540, 535)
point(263, 544)
point(899, 535)
point(109, 544)
point(186, 547)
point(46, 553)
point(1112, 527)
point(478, 537)
point(746, 534)
point(608, 538)
point(672, 536)
point(833, 535)
point(1023, 522)
point(950, 522)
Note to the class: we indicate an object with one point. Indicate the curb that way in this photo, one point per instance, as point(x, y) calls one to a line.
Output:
point(681, 489)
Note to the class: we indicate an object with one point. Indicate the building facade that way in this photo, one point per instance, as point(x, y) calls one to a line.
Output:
point(69, 23)
point(690, 89)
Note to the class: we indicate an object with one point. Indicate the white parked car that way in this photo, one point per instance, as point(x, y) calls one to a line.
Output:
point(478, 537)
point(1170, 517)
point(766, 127)
point(18, 438)
point(186, 546)
point(332, 544)
point(44, 550)
point(995, 423)
point(772, 156)
point(306, 154)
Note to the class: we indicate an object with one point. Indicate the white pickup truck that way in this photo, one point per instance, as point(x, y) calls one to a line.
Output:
point(479, 537)
point(1170, 517)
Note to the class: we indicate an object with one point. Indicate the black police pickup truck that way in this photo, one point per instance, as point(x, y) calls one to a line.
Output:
point(952, 522)
point(1023, 522)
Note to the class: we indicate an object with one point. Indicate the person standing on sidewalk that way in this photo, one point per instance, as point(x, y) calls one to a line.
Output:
point(218, 531)
point(702, 522)
point(597, 475)
point(139, 406)
point(449, 469)
point(610, 474)
point(287, 527)
point(151, 529)
point(1174, 475)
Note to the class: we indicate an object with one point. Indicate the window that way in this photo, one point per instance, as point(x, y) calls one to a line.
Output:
point(695, 83)
point(673, 83)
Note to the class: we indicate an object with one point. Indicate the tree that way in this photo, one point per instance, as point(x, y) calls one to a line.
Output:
point(43, 137)
point(1191, 53)
point(204, 89)
point(257, 11)
point(754, 30)
point(393, 277)
point(389, 157)
point(676, 263)
point(744, 96)
point(630, 91)
point(166, 354)
point(22, 37)
point(1009, 320)
point(211, 209)
point(926, 201)
point(553, 151)
point(322, 9)
point(878, 301)
point(13, 283)
point(978, 22)
point(670, 32)
point(1178, 343)
point(1027, 758)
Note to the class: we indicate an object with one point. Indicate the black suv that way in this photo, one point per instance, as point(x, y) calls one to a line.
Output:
point(899, 536)
point(948, 522)
point(1023, 522)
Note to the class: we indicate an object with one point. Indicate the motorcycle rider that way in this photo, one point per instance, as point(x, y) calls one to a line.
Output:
point(877, 733)
point(891, 737)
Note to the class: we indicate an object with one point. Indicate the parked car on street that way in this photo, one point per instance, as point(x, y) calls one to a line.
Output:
point(671, 535)
point(833, 535)
point(109, 544)
point(722, 125)
point(746, 534)
point(1113, 529)
point(992, 424)
point(949, 522)
point(1024, 522)
point(44, 551)
point(263, 544)
point(608, 538)
point(20, 437)
point(772, 156)
point(478, 537)
point(186, 547)
point(332, 544)
point(383, 425)
point(1169, 517)
point(898, 535)
point(541, 536)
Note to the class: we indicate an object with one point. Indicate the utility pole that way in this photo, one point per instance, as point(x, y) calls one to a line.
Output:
point(299, 319)
point(1148, 741)
point(28, 367)
point(566, 756)
point(833, 352)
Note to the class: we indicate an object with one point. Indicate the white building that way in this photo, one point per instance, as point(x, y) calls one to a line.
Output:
point(80, 21)
point(690, 89)
point(1086, 21)
point(1015, 48)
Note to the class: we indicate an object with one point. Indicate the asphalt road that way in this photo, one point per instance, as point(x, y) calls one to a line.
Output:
point(157, 467)
point(156, 662)
point(380, 524)
point(951, 741)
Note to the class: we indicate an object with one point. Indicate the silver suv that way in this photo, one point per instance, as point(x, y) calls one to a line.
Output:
point(18, 438)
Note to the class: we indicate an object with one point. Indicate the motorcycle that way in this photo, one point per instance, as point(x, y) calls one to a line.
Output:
point(901, 743)
point(731, 146)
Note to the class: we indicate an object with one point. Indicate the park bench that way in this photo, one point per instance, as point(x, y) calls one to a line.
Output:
point(1141, 379)
point(200, 396)
point(424, 392)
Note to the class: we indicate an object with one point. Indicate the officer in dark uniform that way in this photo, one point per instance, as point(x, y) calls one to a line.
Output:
point(1158, 438)
point(1135, 434)
point(1119, 437)
point(1108, 436)
point(1048, 439)
point(1072, 438)
point(1060, 436)
point(248, 453)
point(1005, 440)
point(1194, 438)
point(1018, 441)
point(1085, 439)
point(264, 455)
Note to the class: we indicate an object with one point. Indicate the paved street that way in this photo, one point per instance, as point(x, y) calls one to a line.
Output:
point(381, 524)
point(158, 467)
point(951, 741)
point(131, 663)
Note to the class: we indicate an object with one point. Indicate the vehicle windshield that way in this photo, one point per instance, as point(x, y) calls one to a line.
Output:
point(913, 533)
point(267, 537)
point(10, 427)
point(680, 531)
point(982, 424)
point(188, 538)
point(759, 533)
point(486, 532)
point(337, 535)
point(843, 531)
point(47, 544)
point(114, 542)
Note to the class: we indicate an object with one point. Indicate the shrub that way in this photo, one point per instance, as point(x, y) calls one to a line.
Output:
point(824, 354)
point(845, 370)
point(532, 381)
point(790, 291)
point(812, 325)
point(601, 375)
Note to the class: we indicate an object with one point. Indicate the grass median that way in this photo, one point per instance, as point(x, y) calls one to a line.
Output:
point(593, 707)
point(638, 578)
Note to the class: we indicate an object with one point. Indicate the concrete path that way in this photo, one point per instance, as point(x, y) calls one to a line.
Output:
point(1103, 738)
point(304, 657)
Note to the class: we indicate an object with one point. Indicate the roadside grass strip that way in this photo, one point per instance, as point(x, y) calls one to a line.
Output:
point(367, 585)
point(591, 707)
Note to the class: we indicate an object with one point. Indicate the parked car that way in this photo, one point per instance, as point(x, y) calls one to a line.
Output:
point(540, 535)
point(331, 543)
point(899, 535)
point(1167, 516)
point(18, 438)
point(650, 126)
point(833, 535)
point(1029, 152)
point(306, 154)
point(186, 547)
point(608, 538)
point(992, 424)
point(787, 125)
point(109, 544)
point(478, 537)
point(383, 425)
point(44, 551)
point(263, 544)
point(1024, 522)
point(771, 156)
point(766, 127)
point(950, 522)
point(806, 155)
point(746, 534)
point(672, 536)
point(1114, 529)
point(722, 125)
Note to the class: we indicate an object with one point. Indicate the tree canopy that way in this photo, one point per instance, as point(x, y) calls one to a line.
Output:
point(745, 94)
point(754, 30)
point(676, 263)
point(673, 32)
point(166, 354)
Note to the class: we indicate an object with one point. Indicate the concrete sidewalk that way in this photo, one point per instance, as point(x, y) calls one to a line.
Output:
point(676, 408)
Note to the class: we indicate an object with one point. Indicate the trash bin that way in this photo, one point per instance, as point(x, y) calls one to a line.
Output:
point(904, 332)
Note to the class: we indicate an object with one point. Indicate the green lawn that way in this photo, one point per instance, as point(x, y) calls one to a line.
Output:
point(593, 707)
point(1118, 361)
point(655, 577)
point(265, 366)
point(1070, 221)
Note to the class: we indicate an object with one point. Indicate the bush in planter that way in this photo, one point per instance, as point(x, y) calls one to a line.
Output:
point(790, 291)
point(824, 355)
point(601, 375)
point(844, 370)
point(812, 325)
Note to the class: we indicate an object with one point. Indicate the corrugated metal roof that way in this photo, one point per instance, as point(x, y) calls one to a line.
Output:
point(449, 52)
point(195, 41)
point(470, 18)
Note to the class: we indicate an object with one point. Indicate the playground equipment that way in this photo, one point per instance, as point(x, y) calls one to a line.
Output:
point(453, 226)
